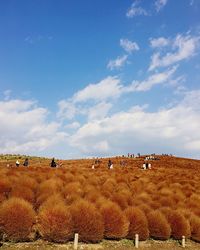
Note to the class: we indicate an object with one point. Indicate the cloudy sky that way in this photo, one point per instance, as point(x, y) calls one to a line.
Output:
point(100, 77)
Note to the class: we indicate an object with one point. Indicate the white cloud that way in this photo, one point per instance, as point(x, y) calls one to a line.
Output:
point(117, 63)
point(172, 130)
point(110, 87)
point(152, 80)
point(128, 45)
point(159, 42)
point(99, 111)
point(67, 109)
point(101, 95)
point(73, 125)
point(24, 128)
point(159, 4)
point(185, 47)
point(97, 94)
point(136, 10)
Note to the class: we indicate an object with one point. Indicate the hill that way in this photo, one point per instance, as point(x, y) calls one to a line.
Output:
point(85, 196)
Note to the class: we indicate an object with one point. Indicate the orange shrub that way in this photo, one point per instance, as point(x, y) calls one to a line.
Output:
point(116, 223)
point(5, 186)
point(145, 208)
point(50, 186)
point(2, 198)
point(24, 193)
point(27, 182)
point(17, 218)
point(109, 185)
point(88, 222)
point(179, 225)
point(158, 226)
point(52, 201)
point(120, 199)
point(195, 228)
point(166, 202)
point(72, 188)
point(55, 223)
point(93, 196)
point(138, 223)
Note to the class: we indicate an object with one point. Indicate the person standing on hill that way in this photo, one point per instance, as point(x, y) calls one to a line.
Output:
point(53, 163)
point(17, 163)
point(26, 163)
point(110, 165)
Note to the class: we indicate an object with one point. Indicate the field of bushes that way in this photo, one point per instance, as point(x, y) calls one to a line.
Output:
point(38, 202)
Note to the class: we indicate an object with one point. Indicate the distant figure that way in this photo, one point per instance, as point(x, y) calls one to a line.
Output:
point(25, 164)
point(53, 163)
point(17, 163)
point(144, 166)
point(93, 167)
point(110, 164)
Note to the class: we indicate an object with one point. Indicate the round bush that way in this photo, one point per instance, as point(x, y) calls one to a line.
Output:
point(24, 193)
point(138, 223)
point(55, 223)
point(158, 225)
point(17, 218)
point(179, 225)
point(195, 228)
point(88, 222)
point(116, 223)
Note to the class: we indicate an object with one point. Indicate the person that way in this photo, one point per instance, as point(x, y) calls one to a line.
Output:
point(17, 163)
point(110, 164)
point(53, 163)
point(144, 166)
point(25, 164)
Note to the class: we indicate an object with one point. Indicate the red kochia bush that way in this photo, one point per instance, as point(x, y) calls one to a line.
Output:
point(17, 218)
point(88, 222)
point(116, 223)
point(55, 223)
point(179, 225)
point(195, 228)
point(24, 193)
point(138, 223)
point(5, 186)
point(158, 226)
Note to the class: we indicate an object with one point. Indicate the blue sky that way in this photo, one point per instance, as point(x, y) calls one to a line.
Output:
point(98, 78)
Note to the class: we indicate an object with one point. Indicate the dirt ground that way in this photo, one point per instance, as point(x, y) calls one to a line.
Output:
point(104, 245)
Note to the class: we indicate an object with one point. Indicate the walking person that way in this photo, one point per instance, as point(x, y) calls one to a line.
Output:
point(26, 163)
point(110, 165)
point(53, 163)
point(17, 163)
